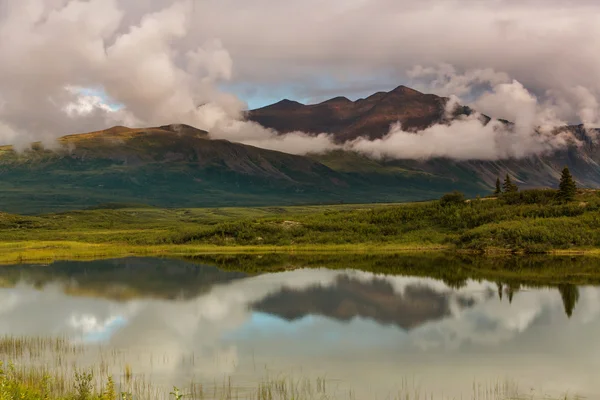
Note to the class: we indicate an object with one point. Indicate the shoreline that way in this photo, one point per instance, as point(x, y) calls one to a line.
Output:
point(49, 251)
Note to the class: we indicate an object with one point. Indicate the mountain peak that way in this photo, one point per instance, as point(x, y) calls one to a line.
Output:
point(288, 103)
point(183, 129)
point(337, 100)
point(406, 91)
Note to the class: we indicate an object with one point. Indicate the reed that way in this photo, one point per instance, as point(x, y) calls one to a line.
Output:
point(36, 374)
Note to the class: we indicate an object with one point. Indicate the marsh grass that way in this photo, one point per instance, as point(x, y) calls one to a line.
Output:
point(36, 374)
point(36, 347)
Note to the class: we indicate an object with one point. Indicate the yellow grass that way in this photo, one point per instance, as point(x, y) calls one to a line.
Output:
point(48, 251)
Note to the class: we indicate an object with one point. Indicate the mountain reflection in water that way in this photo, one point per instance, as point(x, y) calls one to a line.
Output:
point(364, 328)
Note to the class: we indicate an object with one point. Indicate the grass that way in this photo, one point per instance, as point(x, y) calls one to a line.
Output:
point(47, 369)
point(34, 251)
point(528, 222)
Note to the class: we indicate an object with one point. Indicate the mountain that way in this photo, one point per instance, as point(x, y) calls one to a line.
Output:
point(347, 120)
point(179, 166)
point(372, 117)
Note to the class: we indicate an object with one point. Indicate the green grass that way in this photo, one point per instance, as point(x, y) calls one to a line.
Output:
point(530, 222)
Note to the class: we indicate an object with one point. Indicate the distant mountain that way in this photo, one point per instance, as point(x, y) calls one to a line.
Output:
point(372, 117)
point(346, 120)
point(531, 172)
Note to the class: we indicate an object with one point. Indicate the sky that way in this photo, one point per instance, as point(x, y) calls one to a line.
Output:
point(73, 66)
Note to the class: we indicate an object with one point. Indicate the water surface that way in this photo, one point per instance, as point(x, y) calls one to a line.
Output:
point(176, 321)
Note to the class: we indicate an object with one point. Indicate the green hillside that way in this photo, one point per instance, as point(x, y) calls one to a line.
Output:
point(168, 167)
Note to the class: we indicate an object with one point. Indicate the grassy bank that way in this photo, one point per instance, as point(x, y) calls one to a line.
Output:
point(526, 222)
point(47, 251)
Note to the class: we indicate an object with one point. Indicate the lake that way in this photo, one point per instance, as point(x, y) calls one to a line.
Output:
point(365, 333)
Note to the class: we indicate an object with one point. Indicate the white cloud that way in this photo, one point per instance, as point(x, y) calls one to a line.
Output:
point(163, 60)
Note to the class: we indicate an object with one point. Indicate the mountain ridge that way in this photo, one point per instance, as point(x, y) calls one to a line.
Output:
point(368, 117)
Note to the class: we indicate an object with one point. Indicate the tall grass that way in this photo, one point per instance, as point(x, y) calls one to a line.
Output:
point(37, 375)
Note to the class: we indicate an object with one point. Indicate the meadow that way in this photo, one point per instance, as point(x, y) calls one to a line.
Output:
point(532, 221)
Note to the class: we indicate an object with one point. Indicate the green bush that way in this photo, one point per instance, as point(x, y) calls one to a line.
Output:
point(452, 198)
point(533, 196)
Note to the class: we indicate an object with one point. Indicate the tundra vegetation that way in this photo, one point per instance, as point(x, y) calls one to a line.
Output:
point(528, 221)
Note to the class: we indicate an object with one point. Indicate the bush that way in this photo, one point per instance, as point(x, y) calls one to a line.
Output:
point(533, 196)
point(452, 198)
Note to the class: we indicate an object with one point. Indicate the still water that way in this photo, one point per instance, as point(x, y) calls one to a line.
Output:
point(177, 321)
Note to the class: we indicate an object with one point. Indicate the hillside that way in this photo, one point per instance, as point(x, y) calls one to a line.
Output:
point(178, 166)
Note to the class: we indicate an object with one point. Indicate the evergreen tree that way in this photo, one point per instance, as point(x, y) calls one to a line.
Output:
point(567, 187)
point(509, 186)
point(498, 187)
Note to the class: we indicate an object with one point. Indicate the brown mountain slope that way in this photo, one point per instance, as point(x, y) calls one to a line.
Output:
point(348, 119)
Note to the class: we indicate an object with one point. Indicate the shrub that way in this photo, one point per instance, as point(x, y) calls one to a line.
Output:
point(452, 198)
point(533, 196)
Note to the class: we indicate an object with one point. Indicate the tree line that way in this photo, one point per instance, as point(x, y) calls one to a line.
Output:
point(567, 188)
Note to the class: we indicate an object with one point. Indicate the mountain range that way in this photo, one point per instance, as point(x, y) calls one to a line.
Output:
point(181, 166)
point(346, 120)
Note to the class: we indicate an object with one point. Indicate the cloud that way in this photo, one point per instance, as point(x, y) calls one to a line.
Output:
point(165, 60)
point(532, 132)
point(142, 67)
point(445, 80)
point(254, 134)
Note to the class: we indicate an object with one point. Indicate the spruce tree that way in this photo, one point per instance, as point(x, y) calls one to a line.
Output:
point(509, 186)
point(498, 187)
point(567, 187)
